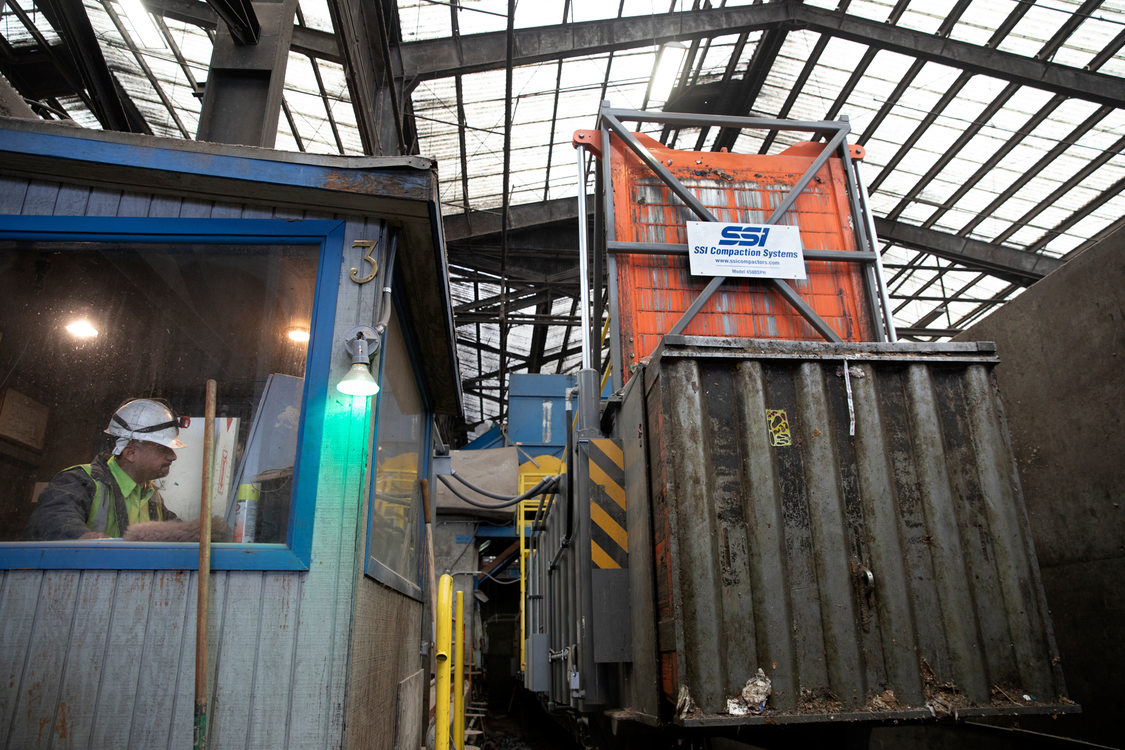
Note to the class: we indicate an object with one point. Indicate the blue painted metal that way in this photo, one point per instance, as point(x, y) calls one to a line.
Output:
point(502, 532)
point(295, 555)
point(492, 438)
point(537, 413)
point(209, 231)
point(355, 177)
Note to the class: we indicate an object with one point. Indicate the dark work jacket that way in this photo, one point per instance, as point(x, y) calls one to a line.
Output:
point(63, 510)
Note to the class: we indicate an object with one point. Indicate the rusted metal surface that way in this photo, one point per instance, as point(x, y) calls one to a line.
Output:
point(655, 290)
point(846, 517)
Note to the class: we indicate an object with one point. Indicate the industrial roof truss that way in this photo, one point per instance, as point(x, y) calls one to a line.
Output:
point(994, 129)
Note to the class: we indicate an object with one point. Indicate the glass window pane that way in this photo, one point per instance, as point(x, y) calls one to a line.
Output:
point(88, 326)
point(400, 457)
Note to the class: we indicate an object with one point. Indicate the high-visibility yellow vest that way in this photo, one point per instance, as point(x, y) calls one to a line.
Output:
point(100, 518)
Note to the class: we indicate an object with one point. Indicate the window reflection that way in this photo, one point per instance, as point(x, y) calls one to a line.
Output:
point(401, 442)
point(84, 327)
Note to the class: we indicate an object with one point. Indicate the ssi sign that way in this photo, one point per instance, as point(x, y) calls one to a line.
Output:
point(767, 251)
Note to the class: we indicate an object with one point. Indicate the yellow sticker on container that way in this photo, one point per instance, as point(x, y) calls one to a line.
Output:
point(778, 422)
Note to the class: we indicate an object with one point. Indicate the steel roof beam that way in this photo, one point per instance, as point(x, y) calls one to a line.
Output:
point(539, 338)
point(1007, 263)
point(1060, 79)
point(515, 319)
point(112, 105)
point(312, 42)
point(914, 333)
point(439, 58)
point(245, 83)
point(12, 103)
point(485, 223)
point(368, 40)
point(473, 384)
point(517, 298)
point(495, 350)
point(240, 18)
point(997, 260)
point(740, 100)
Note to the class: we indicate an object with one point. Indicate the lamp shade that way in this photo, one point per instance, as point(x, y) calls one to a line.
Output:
point(358, 381)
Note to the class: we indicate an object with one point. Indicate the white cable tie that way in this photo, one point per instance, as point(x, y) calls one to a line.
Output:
point(851, 404)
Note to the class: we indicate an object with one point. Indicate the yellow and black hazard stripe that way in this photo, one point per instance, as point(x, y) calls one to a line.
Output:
point(609, 541)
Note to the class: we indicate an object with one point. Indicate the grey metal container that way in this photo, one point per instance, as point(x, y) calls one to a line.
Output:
point(846, 517)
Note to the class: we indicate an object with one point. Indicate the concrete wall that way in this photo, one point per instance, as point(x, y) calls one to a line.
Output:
point(1062, 377)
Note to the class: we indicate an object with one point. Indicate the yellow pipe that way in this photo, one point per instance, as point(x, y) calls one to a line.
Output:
point(459, 674)
point(441, 689)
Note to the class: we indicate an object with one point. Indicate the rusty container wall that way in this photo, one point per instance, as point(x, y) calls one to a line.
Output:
point(869, 552)
point(655, 290)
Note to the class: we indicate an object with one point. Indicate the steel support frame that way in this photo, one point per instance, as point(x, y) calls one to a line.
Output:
point(245, 84)
point(835, 131)
point(108, 99)
point(240, 18)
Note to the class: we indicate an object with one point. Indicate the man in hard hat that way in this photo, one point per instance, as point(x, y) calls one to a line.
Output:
point(101, 499)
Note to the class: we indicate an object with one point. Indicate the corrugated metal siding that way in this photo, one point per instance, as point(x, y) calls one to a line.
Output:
point(105, 659)
point(101, 659)
point(762, 551)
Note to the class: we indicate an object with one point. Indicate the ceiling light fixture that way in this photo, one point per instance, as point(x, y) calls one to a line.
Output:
point(361, 343)
point(81, 329)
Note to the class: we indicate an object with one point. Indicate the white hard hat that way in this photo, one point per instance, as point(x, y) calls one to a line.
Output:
point(147, 420)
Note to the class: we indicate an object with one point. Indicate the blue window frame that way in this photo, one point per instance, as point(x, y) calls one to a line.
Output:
point(325, 238)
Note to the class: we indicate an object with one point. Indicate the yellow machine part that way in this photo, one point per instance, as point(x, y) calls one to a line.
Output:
point(531, 473)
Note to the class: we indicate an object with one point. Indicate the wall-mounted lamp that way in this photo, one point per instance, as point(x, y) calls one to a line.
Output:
point(361, 343)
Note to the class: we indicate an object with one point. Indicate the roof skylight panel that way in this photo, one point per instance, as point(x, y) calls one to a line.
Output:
point(926, 16)
point(915, 212)
point(1037, 26)
point(285, 140)
point(19, 35)
point(193, 43)
point(989, 228)
point(316, 15)
point(1087, 41)
point(421, 19)
point(980, 21)
point(1082, 231)
point(952, 221)
point(875, 10)
point(311, 121)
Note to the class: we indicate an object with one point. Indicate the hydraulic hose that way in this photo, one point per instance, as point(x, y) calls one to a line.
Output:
point(545, 485)
point(493, 495)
